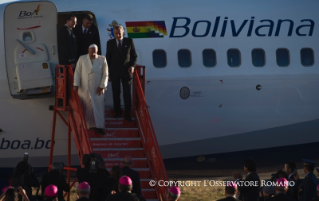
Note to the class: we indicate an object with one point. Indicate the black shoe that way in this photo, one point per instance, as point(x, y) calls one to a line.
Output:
point(92, 128)
point(117, 116)
point(129, 119)
point(100, 131)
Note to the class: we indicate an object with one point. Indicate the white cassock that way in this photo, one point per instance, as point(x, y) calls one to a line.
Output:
point(88, 78)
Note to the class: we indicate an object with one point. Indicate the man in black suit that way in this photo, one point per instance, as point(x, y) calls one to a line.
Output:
point(230, 192)
point(67, 43)
point(281, 188)
point(248, 192)
point(134, 175)
point(121, 58)
point(290, 168)
point(308, 188)
point(55, 177)
point(125, 188)
point(83, 191)
point(87, 34)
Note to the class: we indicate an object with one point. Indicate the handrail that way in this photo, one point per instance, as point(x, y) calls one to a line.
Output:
point(76, 122)
point(147, 131)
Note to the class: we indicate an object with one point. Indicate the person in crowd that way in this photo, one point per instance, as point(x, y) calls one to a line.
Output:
point(125, 188)
point(266, 193)
point(90, 81)
point(282, 174)
point(121, 58)
point(51, 193)
point(12, 194)
point(83, 191)
point(308, 188)
point(317, 199)
point(230, 192)
point(67, 47)
point(249, 193)
point(134, 175)
point(55, 177)
point(281, 188)
point(23, 176)
point(86, 34)
point(291, 169)
point(109, 185)
point(173, 194)
point(92, 177)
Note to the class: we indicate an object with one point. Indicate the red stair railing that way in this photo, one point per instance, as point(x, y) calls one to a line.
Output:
point(145, 125)
point(75, 123)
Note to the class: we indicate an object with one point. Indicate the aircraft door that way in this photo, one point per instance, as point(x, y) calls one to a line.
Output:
point(31, 48)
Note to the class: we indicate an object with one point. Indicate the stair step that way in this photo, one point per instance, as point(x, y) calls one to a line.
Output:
point(149, 194)
point(111, 113)
point(136, 169)
point(136, 164)
point(143, 174)
point(118, 149)
point(121, 159)
point(116, 153)
point(112, 143)
point(116, 133)
point(117, 139)
point(119, 123)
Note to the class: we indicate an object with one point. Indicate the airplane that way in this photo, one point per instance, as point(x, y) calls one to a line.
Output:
point(222, 77)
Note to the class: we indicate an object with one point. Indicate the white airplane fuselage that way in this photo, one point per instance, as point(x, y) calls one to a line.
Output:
point(224, 111)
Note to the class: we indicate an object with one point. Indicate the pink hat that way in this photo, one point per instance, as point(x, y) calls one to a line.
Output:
point(282, 182)
point(51, 191)
point(126, 181)
point(232, 184)
point(175, 190)
point(83, 185)
point(5, 188)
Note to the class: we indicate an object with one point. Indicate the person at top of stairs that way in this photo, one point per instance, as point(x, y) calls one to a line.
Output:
point(173, 194)
point(90, 81)
point(134, 175)
point(125, 188)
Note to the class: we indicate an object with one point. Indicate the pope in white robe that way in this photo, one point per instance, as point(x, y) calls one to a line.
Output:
point(90, 80)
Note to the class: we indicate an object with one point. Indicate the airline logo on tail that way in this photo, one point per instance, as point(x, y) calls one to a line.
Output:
point(146, 29)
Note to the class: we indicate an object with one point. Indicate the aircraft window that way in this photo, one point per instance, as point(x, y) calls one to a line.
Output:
point(233, 57)
point(27, 36)
point(209, 57)
point(282, 56)
point(307, 58)
point(258, 57)
point(159, 58)
point(184, 58)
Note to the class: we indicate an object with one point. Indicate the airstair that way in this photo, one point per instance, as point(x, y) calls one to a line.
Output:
point(136, 139)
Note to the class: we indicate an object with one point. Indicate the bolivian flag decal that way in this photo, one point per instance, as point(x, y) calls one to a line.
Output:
point(146, 29)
